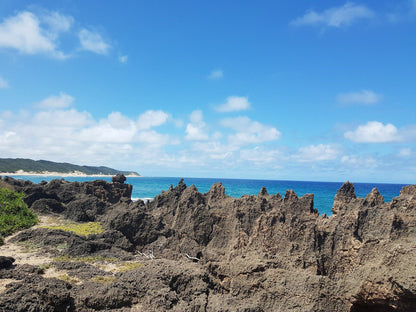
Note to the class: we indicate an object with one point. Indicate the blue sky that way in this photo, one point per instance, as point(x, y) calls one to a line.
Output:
point(300, 90)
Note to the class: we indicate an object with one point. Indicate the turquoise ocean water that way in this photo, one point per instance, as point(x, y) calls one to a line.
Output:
point(149, 187)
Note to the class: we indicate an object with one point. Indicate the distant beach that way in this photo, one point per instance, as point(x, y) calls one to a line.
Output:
point(74, 174)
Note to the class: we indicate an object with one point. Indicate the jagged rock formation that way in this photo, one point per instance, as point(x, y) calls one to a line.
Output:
point(212, 252)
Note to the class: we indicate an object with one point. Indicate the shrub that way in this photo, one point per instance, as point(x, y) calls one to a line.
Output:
point(14, 213)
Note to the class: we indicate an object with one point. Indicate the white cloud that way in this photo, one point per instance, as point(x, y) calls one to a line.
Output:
point(60, 118)
point(123, 59)
point(92, 41)
point(361, 97)
point(215, 149)
point(71, 135)
point(196, 116)
point(233, 104)
point(25, 34)
point(320, 152)
point(405, 152)
point(216, 74)
point(374, 132)
point(7, 137)
point(248, 131)
point(335, 17)
point(116, 128)
point(195, 130)
point(62, 100)
point(359, 161)
point(57, 22)
point(260, 156)
point(3, 83)
point(151, 119)
point(154, 138)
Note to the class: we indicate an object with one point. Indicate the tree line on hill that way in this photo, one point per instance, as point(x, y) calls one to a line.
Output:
point(11, 165)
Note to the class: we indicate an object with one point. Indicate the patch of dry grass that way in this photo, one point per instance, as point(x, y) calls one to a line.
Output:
point(128, 266)
point(89, 259)
point(69, 279)
point(103, 279)
point(82, 229)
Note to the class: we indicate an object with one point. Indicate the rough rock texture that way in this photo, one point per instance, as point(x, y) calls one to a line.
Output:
point(212, 252)
point(6, 262)
point(35, 293)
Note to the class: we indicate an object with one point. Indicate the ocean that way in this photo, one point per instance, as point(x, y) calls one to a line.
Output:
point(149, 187)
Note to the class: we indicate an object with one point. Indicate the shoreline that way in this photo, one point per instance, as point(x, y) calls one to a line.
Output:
point(61, 174)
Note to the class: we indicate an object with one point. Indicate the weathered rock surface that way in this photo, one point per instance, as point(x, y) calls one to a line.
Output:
point(212, 252)
point(6, 262)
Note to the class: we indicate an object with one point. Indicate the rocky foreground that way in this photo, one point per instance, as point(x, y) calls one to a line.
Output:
point(187, 251)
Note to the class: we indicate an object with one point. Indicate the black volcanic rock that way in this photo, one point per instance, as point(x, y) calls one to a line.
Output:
point(6, 262)
point(120, 178)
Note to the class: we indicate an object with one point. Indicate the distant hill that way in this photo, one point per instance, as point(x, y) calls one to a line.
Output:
point(10, 165)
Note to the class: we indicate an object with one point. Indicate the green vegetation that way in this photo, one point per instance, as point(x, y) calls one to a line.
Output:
point(28, 165)
point(14, 213)
point(104, 279)
point(89, 259)
point(83, 229)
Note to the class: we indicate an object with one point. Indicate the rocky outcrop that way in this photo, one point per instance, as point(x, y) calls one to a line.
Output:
point(6, 262)
point(212, 252)
point(77, 201)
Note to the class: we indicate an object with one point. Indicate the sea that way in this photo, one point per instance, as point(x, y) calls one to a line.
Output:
point(147, 188)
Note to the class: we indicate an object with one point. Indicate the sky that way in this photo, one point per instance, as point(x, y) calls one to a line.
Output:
point(284, 90)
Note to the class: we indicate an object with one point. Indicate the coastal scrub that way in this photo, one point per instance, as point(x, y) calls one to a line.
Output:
point(14, 213)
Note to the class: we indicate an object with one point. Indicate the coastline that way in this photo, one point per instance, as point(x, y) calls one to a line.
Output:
point(61, 174)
